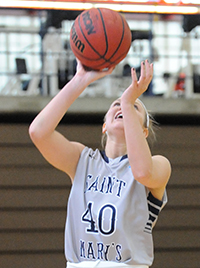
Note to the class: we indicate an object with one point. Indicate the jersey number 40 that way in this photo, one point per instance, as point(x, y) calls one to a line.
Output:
point(87, 217)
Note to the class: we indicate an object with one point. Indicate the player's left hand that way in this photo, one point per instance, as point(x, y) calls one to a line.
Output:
point(138, 87)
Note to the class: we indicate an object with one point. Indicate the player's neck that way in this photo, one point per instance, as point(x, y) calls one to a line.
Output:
point(114, 150)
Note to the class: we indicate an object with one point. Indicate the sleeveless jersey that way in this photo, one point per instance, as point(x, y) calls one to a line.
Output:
point(110, 215)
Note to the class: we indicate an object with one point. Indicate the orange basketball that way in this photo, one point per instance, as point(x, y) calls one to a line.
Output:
point(100, 38)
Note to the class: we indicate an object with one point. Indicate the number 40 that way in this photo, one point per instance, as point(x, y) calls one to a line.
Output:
point(88, 217)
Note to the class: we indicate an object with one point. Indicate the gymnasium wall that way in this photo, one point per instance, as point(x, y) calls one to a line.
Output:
point(33, 198)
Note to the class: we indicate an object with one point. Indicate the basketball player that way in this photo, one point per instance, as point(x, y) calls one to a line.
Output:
point(116, 194)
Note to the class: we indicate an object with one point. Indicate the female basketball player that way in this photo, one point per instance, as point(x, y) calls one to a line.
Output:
point(117, 194)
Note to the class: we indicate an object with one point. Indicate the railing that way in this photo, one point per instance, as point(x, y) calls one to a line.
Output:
point(37, 63)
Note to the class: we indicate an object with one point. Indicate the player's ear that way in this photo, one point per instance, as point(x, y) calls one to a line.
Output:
point(146, 132)
point(104, 128)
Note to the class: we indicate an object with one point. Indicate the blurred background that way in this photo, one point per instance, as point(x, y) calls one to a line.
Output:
point(36, 58)
point(36, 62)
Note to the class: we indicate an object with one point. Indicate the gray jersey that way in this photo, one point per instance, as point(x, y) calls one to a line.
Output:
point(110, 215)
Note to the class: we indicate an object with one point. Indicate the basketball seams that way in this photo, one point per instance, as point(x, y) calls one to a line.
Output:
point(101, 57)
point(112, 63)
point(91, 60)
point(119, 45)
point(120, 40)
point(105, 33)
point(112, 50)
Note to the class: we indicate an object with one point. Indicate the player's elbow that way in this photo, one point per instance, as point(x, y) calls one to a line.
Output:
point(32, 133)
point(143, 176)
point(35, 133)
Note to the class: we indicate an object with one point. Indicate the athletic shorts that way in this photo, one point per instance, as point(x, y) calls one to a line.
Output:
point(104, 264)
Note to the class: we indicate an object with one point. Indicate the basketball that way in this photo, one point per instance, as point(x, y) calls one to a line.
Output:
point(100, 38)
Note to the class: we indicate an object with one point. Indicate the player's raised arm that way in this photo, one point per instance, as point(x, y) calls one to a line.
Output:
point(55, 148)
point(153, 172)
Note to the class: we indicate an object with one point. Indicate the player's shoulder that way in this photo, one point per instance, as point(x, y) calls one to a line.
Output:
point(86, 151)
point(79, 146)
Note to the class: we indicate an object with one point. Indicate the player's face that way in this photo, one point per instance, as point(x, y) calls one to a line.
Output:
point(115, 116)
point(114, 126)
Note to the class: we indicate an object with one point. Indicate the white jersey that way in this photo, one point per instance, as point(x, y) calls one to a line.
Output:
point(110, 215)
